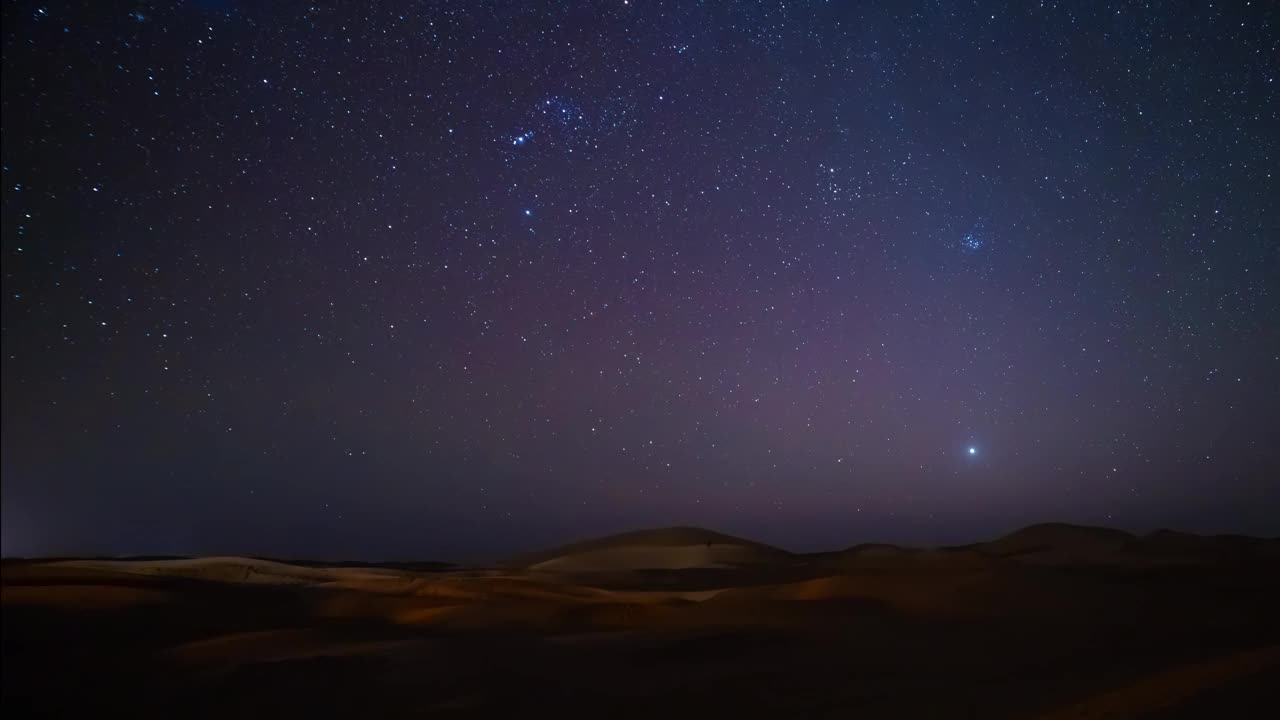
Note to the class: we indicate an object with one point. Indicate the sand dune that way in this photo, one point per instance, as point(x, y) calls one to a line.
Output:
point(673, 548)
point(83, 596)
point(639, 557)
point(1063, 544)
point(893, 557)
point(215, 569)
point(277, 645)
point(230, 570)
point(1173, 546)
point(1167, 689)
point(1058, 543)
point(1048, 620)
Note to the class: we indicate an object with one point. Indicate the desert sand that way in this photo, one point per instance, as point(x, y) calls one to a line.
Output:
point(1053, 621)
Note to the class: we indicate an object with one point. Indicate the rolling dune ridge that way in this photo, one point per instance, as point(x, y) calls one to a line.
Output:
point(1051, 620)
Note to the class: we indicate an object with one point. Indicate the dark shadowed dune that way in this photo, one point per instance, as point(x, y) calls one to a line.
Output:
point(426, 566)
point(1057, 541)
point(1063, 544)
point(1050, 621)
point(887, 557)
point(658, 548)
point(1206, 547)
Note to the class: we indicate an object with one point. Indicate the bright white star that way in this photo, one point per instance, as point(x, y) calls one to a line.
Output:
point(973, 451)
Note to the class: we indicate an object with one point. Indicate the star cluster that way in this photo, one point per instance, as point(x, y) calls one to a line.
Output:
point(448, 278)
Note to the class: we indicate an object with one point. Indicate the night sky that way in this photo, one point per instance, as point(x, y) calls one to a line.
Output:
point(451, 280)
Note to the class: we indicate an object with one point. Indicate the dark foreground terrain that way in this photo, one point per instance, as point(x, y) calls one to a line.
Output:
point(1053, 621)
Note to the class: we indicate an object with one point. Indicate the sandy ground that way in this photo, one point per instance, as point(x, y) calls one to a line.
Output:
point(1053, 622)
